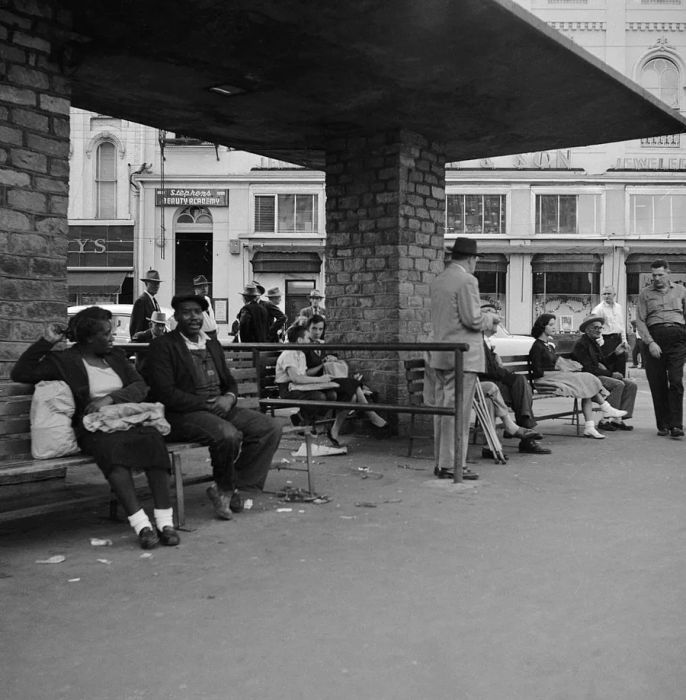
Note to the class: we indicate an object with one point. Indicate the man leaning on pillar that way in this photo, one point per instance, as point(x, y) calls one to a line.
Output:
point(456, 317)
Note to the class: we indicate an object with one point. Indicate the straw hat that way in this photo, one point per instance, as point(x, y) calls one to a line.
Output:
point(151, 276)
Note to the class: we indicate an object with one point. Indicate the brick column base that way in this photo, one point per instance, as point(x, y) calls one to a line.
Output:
point(34, 175)
point(385, 217)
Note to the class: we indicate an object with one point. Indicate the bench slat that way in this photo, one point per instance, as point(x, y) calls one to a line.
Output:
point(11, 426)
point(15, 389)
point(16, 405)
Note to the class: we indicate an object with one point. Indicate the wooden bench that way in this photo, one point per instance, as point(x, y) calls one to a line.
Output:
point(414, 376)
point(19, 467)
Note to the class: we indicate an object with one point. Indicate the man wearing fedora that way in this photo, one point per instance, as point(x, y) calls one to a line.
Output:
point(588, 352)
point(253, 319)
point(314, 309)
point(187, 372)
point(145, 304)
point(456, 317)
point(277, 318)
point(201, 287)
point(158, 327)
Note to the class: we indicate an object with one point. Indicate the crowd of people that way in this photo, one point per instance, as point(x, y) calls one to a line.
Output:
point(185, 370)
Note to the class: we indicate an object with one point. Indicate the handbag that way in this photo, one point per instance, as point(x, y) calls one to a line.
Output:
point(315, 386)
point(52, 408)
point(336, 368)
point(563, 364)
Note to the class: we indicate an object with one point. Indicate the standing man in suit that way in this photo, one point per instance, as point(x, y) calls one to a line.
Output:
point(201, 287)
point(315, 308)
point(145, 304)
point(187, 372)
point(253, 318)
point(277, 318)
point(456, 317)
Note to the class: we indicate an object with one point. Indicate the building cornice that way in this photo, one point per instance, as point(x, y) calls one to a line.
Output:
point(579, 26)
point(656, 26)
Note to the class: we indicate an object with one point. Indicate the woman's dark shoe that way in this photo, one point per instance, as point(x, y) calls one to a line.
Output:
point(296, 419)
point(148, 538)
point(168, 536)
point(332, 439)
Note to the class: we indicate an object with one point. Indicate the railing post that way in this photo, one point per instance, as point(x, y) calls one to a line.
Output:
point(458, 462)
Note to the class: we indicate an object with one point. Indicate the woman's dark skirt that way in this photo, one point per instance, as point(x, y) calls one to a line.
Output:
point(140, 448)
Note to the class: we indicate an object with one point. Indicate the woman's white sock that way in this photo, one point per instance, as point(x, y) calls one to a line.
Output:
point(163, 517)
point(139, 520)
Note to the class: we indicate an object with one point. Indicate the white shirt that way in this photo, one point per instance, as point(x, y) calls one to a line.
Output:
point(613, 316)
point(200, 344)
point(102, 381)
point(289, 358)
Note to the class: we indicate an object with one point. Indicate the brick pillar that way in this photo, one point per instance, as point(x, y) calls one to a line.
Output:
point(34, 174)
point(385, 217)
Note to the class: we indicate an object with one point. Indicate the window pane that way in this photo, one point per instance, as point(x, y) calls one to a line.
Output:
point(546, 213)
point(662, 205)
point(106, 206)
point(473, 213)
point(454, 219)
point(567, 214)
point(106, 162)
point(679, 213)
point(641, 213)
point(264, 214)
point(286, 212)
point(494, 213)
point(589, 214)
point(661, 77)
point(305, 212)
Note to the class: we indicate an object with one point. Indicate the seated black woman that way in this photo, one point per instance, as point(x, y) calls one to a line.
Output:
point(544, 365)
point(99, 375)
point(350, 388)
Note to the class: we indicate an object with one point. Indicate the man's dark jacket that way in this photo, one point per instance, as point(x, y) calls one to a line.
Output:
point(254, 323)
point(494, 372)
point(587, 352)
point(170, 373)
point(140, 313)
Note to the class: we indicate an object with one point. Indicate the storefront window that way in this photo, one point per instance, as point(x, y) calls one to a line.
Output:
point(556, 213)
point(475, 213)
point(491, 271)
point(567, 286)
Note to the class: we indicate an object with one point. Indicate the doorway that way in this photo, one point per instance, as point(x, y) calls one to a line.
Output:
point(193, 247)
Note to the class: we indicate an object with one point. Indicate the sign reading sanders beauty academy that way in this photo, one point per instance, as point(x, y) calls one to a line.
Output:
point(184, 197)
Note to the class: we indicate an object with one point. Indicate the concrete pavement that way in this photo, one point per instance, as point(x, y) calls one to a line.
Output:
point(558, 576)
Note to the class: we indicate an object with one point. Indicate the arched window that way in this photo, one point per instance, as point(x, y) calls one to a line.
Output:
point(661, 77)
point(194, 215)
point(106, 181)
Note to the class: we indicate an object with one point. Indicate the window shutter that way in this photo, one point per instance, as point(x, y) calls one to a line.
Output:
point(264, 214)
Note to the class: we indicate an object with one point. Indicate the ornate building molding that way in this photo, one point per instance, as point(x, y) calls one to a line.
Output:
point(579, 26)
point(656, 26)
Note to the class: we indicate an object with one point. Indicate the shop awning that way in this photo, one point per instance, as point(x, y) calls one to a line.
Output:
point(296, 261)
point(95, 281)
point(492, 262)
point(582, 262)
point(640, 262)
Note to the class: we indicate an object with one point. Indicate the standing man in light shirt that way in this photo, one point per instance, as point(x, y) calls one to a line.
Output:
point(615, 346)
point(661, 322)
point(456, 317)
point(201, 287)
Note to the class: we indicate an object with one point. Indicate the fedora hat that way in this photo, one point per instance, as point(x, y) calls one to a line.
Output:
point(258, 287)
point(158, 317)
point(250, 290)
point(316, 293)
point(180, 298)
point(151, 276)
point(273, 292)
point(589, 320)
point(200, 280)
point(464, 246)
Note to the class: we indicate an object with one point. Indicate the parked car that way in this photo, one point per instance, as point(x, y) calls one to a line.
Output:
point(121, 315)
point(507, 343)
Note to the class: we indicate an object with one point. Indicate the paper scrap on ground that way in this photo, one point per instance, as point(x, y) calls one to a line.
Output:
point(247, 503)
point(97, 542)
point(320, 451)
point(104, 561)
point(73, 580)
point(145, 555)
point(284, 510)
point(57, 559)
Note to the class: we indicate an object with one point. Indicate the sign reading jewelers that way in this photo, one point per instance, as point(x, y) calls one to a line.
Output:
point(184, 197)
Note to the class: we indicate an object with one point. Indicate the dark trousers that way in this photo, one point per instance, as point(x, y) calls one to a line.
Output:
point(638, 351)
point(517, 393)
point(614, 363)
point(241, 446)
point(665, 375)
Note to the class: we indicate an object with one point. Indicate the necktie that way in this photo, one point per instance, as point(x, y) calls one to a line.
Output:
point(157, 306)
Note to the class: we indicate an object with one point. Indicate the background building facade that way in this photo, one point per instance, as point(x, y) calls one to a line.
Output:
point(554, 227)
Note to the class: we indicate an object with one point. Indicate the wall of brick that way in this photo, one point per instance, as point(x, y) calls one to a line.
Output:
point(34, 172)
point(385, 211)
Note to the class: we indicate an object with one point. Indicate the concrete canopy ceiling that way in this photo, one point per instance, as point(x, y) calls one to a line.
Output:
point(484, 77)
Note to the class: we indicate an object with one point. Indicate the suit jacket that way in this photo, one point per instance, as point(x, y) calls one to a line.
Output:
point(141, 312)
point(169, 369)
point(588, 353)
point(254, 323)
point(38, 363)
point(456, 317)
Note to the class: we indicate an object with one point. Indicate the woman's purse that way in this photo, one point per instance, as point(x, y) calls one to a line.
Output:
point(563, 364)
point(52, 408)
point(336, 368)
